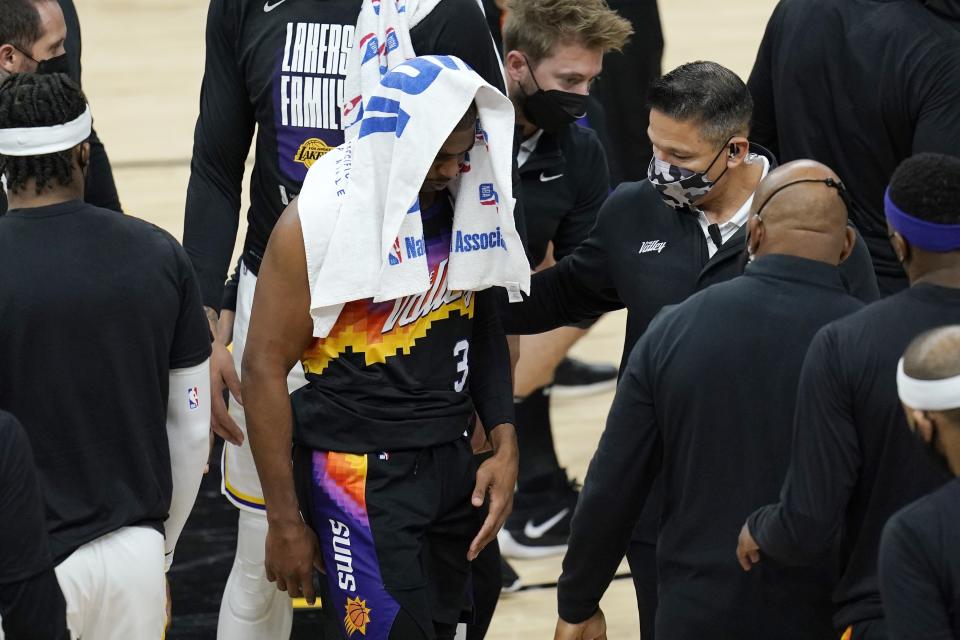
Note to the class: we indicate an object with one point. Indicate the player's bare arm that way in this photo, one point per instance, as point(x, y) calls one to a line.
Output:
point(280, 331)
point(223, 377)
point(497, 477)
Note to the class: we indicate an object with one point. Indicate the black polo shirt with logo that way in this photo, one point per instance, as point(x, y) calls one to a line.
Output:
point(564, 182)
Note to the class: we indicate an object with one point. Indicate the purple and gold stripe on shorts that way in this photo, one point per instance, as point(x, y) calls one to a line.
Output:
point(346, 542)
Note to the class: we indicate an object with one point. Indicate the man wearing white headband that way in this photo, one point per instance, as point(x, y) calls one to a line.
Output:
point(854, 464)
point(104, 355)
point(43, 36)
point(920, 549)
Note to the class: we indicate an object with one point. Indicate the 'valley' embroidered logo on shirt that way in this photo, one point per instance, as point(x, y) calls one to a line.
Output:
point(652, 245)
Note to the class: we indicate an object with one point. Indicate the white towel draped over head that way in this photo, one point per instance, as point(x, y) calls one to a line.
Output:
point(382, 41)
point(359, 203)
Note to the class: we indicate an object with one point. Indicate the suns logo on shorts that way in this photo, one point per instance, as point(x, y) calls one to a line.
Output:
point(358, 616)
point(310, 151)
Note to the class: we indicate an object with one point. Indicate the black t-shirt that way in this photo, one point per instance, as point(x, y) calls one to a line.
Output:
point(920, 568)
point(31, 603)
point(24, 551)
point(282, 71)
point(859, 85)
point(854, 461)
point(95, 310)
point(407, 373)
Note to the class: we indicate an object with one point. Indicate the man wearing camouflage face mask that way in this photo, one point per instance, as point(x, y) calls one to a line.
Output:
point(648, 251)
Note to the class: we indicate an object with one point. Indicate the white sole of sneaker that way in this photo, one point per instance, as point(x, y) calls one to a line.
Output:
point(510, 548)
point(583, 389)
point(512, 588)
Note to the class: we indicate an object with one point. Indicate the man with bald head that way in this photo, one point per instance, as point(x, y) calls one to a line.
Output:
point(920, 548)
point(707, 400)
point(854, 463)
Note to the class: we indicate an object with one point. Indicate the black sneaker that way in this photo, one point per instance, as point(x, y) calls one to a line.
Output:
point(577, 378)
point(511, 581)
point(539, 525)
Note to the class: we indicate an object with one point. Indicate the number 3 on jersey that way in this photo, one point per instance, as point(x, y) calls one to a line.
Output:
point(461, 351)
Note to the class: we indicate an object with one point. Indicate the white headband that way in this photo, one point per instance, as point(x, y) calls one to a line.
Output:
point(37, 141)
point(928, 395)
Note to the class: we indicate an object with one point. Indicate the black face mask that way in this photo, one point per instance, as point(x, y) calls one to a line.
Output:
point(552, 110)
point(58, 64)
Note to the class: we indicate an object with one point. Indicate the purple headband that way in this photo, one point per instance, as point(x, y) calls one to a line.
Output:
point(929, 236)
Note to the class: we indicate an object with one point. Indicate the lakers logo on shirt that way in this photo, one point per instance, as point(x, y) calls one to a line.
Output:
point(310, 151)
point(307, 92)
point(358, 616)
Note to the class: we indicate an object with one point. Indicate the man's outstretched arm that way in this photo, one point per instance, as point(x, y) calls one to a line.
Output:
point(280, 331)
point(618, 482)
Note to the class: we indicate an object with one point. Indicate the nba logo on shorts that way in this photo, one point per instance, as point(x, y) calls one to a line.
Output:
point(193, 398)
point(395, 257)
point(487, 195)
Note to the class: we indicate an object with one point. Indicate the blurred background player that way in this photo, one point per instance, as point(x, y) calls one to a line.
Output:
point(42, 36)
point(920, 548)
point(277, 68)
point(121, 445)
point(854, 463)
point(31, 602)
point(555, 50)
point(617, 106)
point(658, 241)
point(860, 86)
point(622, 90)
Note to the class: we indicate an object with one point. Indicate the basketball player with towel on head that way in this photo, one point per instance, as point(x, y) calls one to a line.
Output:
point(377, 279)
point(111, 304)
point(277, 67)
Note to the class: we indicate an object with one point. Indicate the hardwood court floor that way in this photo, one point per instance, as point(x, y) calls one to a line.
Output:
point(143, 61)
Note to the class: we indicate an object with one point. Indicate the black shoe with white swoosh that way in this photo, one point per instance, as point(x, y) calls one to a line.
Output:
point(539, 525)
